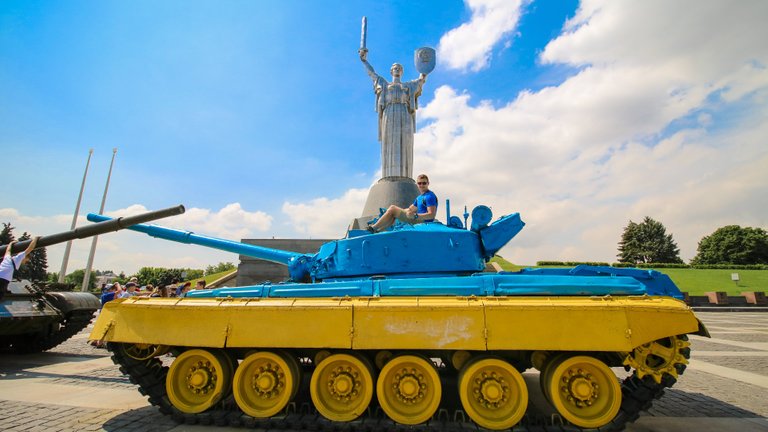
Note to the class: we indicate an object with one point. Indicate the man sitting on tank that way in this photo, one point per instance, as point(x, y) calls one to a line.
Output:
point(10, 264)
point(423, 209)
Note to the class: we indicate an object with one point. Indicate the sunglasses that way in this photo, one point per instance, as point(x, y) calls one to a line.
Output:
point(421, 183)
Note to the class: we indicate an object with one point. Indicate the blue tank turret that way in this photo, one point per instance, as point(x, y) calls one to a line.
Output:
point(405, 250)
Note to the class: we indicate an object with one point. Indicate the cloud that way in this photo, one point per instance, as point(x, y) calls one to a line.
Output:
point(326, 217)
point(469, 45)
point(665, 118)
point(128, 251)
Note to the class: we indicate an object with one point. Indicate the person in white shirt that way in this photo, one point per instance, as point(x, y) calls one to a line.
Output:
point(11, 263)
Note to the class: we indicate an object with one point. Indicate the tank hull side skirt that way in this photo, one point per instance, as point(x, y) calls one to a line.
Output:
point(616, 324)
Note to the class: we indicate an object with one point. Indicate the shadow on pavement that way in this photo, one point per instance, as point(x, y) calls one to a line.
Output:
point(144, 419)
point(678, 403)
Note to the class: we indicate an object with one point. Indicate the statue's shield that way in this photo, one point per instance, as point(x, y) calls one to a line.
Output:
point(424, 58)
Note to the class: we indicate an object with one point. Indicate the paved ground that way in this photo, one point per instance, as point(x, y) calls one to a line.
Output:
point(75, 387)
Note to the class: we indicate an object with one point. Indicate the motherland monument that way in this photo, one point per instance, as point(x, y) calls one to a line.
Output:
point(396, 105)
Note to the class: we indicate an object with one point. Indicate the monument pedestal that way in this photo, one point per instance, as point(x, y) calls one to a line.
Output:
point(400, 191)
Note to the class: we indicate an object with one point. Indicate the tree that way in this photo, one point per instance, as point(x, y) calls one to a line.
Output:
point(159, 276)
point(647, 242)
point(36, 267)
point(76, 278)
point(218, 268)
point(6, 234)
point(733, 244)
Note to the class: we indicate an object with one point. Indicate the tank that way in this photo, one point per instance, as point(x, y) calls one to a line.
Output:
point(401, 328)
point(33, 319)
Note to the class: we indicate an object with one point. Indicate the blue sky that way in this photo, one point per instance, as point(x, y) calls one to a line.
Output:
point(258, 116)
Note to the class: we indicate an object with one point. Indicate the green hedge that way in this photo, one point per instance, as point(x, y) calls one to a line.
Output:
point(732, 266)
point(655, 265)
point(570, 263)
point(651, 265)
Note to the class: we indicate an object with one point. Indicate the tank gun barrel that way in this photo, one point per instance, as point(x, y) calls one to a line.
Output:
point(108, 225)
point(278, 256)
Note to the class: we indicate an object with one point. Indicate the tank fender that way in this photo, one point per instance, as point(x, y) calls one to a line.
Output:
point(67, 302)
point(702, 329)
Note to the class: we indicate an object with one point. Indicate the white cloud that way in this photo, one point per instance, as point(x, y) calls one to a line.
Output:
point(326, 217)
point(470, 44)
point(666, 118)
point(128, 251)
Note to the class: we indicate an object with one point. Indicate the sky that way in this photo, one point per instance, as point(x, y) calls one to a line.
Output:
point(259, 118)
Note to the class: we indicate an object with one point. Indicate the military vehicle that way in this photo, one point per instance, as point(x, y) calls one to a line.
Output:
point(33, 319)
point(402, 328)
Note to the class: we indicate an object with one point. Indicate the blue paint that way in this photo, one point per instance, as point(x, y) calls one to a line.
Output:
point(428, 259)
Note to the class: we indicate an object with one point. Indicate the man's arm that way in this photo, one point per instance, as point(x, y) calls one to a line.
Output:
point(430, 214)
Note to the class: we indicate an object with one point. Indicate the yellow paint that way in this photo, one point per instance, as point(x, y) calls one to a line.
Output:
point(444, 323)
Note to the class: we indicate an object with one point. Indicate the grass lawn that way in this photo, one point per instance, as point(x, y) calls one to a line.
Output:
point(699, 281)
point(212, 277)
point(695, 281)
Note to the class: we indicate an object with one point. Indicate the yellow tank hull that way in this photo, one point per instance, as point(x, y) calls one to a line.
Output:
point(418, 323)
point(403, 349)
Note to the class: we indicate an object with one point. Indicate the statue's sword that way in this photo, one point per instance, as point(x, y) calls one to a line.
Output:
point(363, 33)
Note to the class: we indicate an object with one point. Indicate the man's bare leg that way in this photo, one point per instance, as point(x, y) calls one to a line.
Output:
point(388, 218)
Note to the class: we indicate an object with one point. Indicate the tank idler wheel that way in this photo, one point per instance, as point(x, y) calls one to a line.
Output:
point(409, 389)
point(342, 386)
point(493, 393)
point(584, 390)
point(264, 383)
point(197, 380)
point(143, 352)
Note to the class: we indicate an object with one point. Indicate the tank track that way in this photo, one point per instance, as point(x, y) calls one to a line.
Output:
point(637, 395)
point(75, 322)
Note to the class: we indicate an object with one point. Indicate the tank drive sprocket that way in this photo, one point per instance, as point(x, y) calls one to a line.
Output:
point(667, 356)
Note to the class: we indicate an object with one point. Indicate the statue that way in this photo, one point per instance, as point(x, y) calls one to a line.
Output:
point(396, 104)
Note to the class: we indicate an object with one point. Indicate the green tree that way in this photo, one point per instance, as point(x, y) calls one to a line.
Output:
point(76, 278)
point(647, 242)
point(36, 267)
point(6, 234)
point(733, 244)
point(159, 276)
point(218, 268)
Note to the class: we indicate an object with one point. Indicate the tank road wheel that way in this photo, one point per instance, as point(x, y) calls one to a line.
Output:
point(196, 380)
point(493, 393)
point(585, 391)
point(409, 389)
point(143, 352)
point(659, 357)
point(342, 387)
point(264, 384)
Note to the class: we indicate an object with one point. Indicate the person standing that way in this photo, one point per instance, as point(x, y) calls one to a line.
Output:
point(11, 263)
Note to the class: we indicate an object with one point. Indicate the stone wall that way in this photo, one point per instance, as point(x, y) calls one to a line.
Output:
point(252, 271)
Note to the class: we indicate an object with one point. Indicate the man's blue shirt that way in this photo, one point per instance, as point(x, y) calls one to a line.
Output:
point(427, 199)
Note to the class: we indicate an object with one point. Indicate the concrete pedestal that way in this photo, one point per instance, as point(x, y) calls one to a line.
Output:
point(400, 191)
point(252, 271)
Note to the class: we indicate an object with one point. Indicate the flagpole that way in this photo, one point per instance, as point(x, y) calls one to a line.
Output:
point(65, 260)
point(87, 275)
